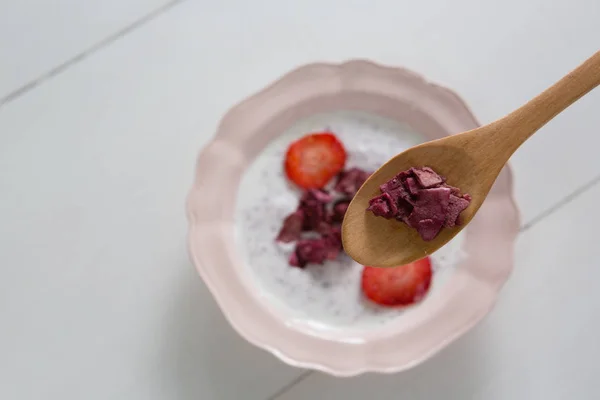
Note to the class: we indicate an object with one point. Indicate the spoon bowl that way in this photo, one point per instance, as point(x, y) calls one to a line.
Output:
point(470, 161)
point(375, 241)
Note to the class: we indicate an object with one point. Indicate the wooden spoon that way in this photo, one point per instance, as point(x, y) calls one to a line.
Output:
point(470, 161)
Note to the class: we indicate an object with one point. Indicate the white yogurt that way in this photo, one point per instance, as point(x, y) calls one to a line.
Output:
point(327, 295)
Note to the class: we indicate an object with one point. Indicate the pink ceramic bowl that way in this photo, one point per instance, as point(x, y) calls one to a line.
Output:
point(316, 318)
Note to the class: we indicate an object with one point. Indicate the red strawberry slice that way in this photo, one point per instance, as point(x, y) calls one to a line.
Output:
point(313, 160)
point(397, 286)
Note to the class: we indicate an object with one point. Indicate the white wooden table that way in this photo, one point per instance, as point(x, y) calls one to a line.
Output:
point(104, 105)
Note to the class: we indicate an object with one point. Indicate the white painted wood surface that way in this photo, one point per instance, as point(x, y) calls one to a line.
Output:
point(98, 298)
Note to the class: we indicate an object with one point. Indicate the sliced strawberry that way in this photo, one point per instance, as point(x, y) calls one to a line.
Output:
point(313, 160)
point(397, 286)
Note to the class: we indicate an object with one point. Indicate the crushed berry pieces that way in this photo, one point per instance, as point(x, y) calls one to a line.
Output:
point(420, 198)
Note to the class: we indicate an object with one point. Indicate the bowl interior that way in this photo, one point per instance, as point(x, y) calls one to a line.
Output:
point(322, 297)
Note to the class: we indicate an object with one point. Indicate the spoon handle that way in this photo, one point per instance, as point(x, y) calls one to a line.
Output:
point(526, 120)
